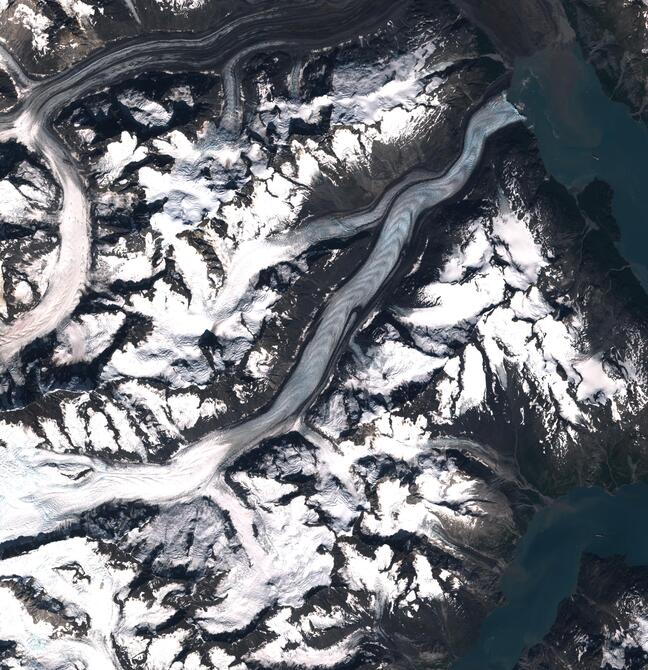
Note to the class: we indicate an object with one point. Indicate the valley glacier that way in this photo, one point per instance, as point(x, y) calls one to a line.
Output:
point(297, 333)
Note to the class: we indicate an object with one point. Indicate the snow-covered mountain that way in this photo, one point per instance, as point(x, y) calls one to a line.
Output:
point(296, 333)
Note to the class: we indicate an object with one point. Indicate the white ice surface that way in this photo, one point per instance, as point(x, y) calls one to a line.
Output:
point(37, 23)
point(84, 338)
point(70, 271)
point(147, 112)
point(390, 365)
point(75, 572)
point(120, 154)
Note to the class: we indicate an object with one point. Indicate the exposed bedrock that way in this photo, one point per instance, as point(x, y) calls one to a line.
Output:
point(303, 337)
point(91, 483)
point(519, 28)
point(32, 120)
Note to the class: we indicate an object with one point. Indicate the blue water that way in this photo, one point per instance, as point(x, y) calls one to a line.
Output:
point(545, 567)
point(582, 134)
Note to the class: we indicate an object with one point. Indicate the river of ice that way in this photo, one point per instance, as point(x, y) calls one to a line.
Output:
point(41, 490)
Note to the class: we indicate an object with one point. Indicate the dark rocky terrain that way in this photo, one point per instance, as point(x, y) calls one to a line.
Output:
point(602, 625)
point(613, 37)
point(299, 333)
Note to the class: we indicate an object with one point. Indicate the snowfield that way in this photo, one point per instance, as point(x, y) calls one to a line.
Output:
point(287, 312)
